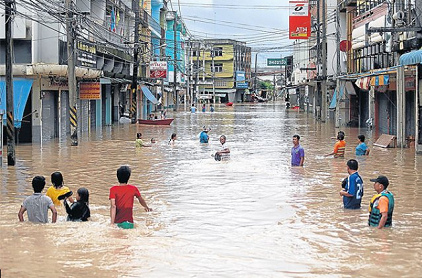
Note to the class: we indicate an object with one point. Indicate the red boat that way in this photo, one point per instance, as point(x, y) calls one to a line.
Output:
point(229, 104)
point(155, 122)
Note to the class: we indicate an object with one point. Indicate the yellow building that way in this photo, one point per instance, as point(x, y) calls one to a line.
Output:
point(223, 69)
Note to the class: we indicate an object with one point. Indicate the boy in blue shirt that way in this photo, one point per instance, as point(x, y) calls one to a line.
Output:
point(353, 191)
point(362, 148)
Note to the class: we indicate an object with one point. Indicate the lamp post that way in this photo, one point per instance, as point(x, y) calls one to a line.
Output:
point(172, 16)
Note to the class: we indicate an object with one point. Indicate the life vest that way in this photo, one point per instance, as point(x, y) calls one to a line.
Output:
point(374, 212)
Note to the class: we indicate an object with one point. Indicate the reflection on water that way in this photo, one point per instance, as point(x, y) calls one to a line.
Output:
point(251, 216)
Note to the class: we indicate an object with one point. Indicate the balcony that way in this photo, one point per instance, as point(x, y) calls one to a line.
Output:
point(343, 5)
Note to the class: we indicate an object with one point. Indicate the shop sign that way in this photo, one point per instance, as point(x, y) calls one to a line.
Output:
point(242, 85)
point(89, 90)
point(299, 20)
point(409, 83)
point(240, 76)
point(158, 69)
point(86, 54)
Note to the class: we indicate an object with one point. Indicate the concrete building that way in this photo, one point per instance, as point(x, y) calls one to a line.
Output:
point(104, 46)
point(222, 68)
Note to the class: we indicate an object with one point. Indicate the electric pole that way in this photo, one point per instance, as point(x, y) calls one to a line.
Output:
point(134, 86)
point(213, 74)
point(10, 127)
point(254, 83)
point(71, 74)
point(176, 99)
point(324, 64)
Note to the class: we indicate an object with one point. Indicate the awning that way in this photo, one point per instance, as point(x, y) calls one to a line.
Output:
point(363, 83)
point(333, 103)
point(21, 89)
point(149, 95)
point(379, 80)
point(411, 58)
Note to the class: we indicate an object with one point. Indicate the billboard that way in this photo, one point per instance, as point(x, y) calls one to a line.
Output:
point(158, 69)
point(299, 20)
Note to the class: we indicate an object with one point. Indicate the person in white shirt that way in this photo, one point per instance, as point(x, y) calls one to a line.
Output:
point(224, 151)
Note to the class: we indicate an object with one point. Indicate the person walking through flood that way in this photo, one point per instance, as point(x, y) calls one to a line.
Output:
point(203, 136)
point(298, 153)
point(193, 109)
point(172, 140)
point(339, 146)
point(362, 148)
point(381, 206)
point(224, 152)
point(121, 200)
point(79, 210)
point(58, 189)
point(353, 191)
point(37, 205)
point(139, 142)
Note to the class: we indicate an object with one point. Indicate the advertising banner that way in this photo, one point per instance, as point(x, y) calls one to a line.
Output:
point(299, 20)
point(89, 90)
point(158, 69)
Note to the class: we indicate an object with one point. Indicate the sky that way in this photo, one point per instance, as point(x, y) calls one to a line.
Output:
point(262, 24)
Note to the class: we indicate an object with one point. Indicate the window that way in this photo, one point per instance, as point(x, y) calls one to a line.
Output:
point(217, 68)
point(196, 53)
point(218, 51)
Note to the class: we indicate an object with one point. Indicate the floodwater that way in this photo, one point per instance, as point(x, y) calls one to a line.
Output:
point(251, 216)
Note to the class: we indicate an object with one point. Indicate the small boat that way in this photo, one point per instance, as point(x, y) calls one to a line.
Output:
point(229, 104)
point(155, 122)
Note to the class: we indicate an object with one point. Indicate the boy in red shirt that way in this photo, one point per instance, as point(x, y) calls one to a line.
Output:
point(121, 200)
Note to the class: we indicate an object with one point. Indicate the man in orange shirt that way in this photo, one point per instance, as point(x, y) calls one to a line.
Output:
point(381, 206)
point(339, 146)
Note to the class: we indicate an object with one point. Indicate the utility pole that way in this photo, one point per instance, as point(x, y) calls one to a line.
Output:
point(134, 86)
point(197, 72)
point(337, 117)
point(318, 99)
point(10, 127)
point(274, 90)
point(71, 74)
point(189, 72)
point(175, 63)
point(213, 74)
point(254, 83)
point(324, 64)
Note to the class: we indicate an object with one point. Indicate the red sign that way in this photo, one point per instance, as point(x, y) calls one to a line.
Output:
point(158, 69)
point(299, 20)
point(89, 90)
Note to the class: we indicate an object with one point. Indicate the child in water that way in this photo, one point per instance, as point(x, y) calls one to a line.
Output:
point(57, 188)
point(78, 211)
point(173, 139)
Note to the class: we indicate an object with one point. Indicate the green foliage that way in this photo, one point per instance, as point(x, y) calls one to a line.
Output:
point(265, 85)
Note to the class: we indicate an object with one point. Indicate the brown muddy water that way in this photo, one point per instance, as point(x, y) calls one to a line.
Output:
point(252, 216)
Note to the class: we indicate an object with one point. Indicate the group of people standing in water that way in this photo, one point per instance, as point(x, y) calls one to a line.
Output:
point(381, 206)
point(37, 205)
point(121, 201)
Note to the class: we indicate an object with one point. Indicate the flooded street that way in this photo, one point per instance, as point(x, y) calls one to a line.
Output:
point(251, 216)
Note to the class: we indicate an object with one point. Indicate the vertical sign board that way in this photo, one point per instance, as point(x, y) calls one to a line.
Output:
point(299, 20)
point(1, 137)
point(89, 90)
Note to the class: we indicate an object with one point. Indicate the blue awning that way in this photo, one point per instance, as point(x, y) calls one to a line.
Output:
point(149, 95)
point(21, 89)
point(333, 103)
point(411, 58)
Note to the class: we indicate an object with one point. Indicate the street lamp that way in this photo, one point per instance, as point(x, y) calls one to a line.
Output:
point(172, 16)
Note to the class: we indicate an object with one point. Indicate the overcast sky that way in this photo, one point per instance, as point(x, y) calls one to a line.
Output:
point(259, 23)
